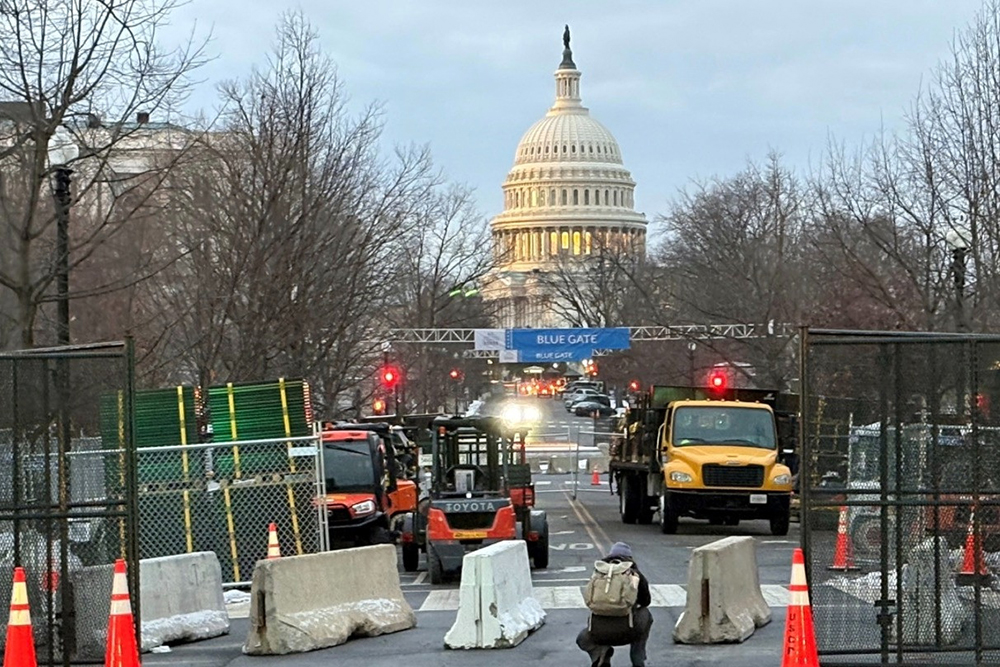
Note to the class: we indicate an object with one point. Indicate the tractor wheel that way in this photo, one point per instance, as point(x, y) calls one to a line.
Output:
point(541, 555)
point(411, 556)
point(435, 570)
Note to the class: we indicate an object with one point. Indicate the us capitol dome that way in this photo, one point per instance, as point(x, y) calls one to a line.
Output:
point(567, 200)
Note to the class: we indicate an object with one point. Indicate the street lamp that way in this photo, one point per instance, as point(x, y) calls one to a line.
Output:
point(62, 151)
point(692, 346)
point(959, 251)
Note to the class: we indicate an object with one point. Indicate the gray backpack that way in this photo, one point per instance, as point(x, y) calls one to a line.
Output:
point(612, 589)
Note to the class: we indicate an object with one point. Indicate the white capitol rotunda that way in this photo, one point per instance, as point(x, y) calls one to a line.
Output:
point(567, 200)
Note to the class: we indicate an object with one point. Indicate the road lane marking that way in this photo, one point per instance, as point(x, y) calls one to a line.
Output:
point(593, 528)
point(441, 601)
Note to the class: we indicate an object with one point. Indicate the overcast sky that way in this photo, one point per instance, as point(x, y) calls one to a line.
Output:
point(690, 88)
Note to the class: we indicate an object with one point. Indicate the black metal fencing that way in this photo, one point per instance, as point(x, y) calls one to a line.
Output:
point(909, 465)
point(67, 495)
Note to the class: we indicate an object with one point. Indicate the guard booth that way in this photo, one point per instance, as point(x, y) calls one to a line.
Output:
point(910, 572)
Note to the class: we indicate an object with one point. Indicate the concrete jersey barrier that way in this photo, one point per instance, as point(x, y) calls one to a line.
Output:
point(180, 599)
point(303, 603)
point(724, 601)
point(496, 607)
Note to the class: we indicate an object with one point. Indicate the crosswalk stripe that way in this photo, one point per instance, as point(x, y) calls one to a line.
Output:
point(571, 597)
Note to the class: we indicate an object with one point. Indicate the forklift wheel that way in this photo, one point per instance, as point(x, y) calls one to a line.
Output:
point(541, 550)
point(411, 557)
point(435, 571)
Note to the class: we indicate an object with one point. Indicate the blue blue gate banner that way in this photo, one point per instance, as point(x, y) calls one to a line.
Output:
point(564, 344)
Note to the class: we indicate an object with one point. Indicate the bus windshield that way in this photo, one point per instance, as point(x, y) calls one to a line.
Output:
point(705, 425)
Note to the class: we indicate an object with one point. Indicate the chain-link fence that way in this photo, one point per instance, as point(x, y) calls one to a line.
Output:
point(222, 497)
point(67, 496)
point(909, 464)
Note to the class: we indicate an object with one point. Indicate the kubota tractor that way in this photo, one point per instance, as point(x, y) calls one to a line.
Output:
point(366, 502)
point(481, 493)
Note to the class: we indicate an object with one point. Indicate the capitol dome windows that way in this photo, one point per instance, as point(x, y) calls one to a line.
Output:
point(576, 197)
point(586, 197)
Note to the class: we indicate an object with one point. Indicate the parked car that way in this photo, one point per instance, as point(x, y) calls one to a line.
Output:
point(588, 407)
point(572, 396)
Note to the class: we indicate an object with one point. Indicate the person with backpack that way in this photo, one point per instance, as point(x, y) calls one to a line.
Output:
point(618, 598)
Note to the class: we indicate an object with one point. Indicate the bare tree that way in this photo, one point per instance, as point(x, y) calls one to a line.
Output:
point(732, 253)
point(290, 229)
point(92, 67)
point(442, 260)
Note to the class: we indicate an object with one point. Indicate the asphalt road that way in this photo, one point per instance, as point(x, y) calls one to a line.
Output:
point(581, 532)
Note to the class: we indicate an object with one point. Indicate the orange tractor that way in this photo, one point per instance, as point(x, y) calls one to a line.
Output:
point(367, 501)
point(481, 493)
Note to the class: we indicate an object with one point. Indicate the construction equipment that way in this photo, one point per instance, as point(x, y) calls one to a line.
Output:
point(714, 453)
point(366, 497)
point(480, 493)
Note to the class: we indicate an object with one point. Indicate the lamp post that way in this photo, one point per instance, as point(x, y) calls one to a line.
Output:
point(959, 252)
point(692, 346)
point(62, 151)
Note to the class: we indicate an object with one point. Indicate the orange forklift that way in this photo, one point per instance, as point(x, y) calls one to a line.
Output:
point(367, 501)
point(480, 493)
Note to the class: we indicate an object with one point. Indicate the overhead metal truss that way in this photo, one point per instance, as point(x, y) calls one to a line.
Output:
point(676, 332)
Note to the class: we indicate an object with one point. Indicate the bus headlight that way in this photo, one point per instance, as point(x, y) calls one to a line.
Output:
point(783, 480)
point(680, 477)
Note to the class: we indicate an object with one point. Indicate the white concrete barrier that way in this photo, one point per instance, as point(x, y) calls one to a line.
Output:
point(180, 599)
point(496, 606)
point(724, 600)
point(303, 603)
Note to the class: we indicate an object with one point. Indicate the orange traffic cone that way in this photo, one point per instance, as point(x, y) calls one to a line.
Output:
point(273, 550)
point(20, 650)
point(843, 555)
point(973, 567)
point(799, 648)
point(122, 650)
point(595, 479)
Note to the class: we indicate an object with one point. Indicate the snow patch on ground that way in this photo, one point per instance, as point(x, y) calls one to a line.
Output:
point(184, 627)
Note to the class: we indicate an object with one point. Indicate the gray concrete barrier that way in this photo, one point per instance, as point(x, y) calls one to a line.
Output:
point(180, 600)
point(724, 601)
point(303, 603)
point(496, 603)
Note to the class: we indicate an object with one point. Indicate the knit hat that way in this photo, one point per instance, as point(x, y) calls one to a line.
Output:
point(620, 550)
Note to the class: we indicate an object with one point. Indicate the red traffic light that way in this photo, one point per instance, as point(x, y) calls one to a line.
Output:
point(634, 385)
point(390, 377)
point(717, 380)
point(455, 374)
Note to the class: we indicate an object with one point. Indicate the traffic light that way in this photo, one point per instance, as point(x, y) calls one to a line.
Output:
point(455, 374)
point(390, 377)
point(717, 381)
point(378, 406)
point(634, 385)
